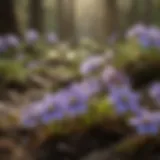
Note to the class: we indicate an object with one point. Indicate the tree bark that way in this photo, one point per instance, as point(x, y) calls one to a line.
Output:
point(36, 15)
point(148, 11)
point(133, 15)
point(8, 21)
point(71, 22)
point(112, 16)
point(66, 20)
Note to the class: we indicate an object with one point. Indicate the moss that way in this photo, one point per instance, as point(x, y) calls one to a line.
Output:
point(12, 71)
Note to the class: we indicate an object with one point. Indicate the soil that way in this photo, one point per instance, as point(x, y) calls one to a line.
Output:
point(76, 146)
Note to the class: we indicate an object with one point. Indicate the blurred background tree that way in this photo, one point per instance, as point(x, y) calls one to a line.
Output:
point(74, 19)
point(112, 16)
point(148, 11)
point(66, 20)
point(36, 15)
point(8, 21)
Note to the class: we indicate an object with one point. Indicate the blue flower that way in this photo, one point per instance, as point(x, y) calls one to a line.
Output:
point(86, 89)
point(12, 41)
point(56, 107)
point(145, 40)
point(55, 113)
point(118, 100)
point(154, 92)
point(145, 123)
point(31, 114)
point(30, 123)
point(124, 99)
point(3, 45)
point(91, 64)
point(52, 38)
point(154, 33)
point(78, 100)
point(76, 107)
point(136, 30)
point(31, 36)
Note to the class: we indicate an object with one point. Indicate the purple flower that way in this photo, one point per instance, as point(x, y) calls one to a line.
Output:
point(86, 89)
point(57, 105)
point(77, 105)
point(31, 36)
point(136, 31)
point(51, 115)
point(119, 100)
point(30, 123)
point(146, 36)
point(30, 115)
point(108, 73)
point(154, 92)
point(145, 40)
point(124, 99)
point(91, 65)
point(52, 38)
point(145, 123)
point(111, 76)
point(3, 45)
point(154, 34)
point(12, 40)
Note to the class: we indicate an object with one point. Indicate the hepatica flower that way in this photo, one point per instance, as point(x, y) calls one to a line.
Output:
point(91, 86)
point(12, 41)
point(77, 105)
point(52, 38)
point(86, 89)
point(31, 36)
point(91, 65)
point(31, 115)
point(3, 45)
point(145, 40)
point(56, 107)
point(108, 73)
point(136, 30)
point(124, 99)
point(146, 123)
point(54, 112)
point(154, 92)
point(111, 76)
point(147, 36)
point(154, 33)
point(79, 90)
point(43, 111)
point(30, 122)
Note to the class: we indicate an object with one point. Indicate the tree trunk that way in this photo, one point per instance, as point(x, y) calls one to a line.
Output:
point(66, 20)
point(36, 15)
point(133, 15)
point(8, 22)
point(112, 16)
point(147, 15)
point(71, 22)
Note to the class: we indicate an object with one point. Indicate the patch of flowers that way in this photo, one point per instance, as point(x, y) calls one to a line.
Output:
point(99, 77)
point(74, 100)
point(147, 36)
